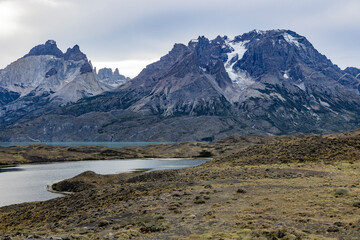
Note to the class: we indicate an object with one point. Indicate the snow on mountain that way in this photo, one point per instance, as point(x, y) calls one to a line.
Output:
point(291, 39)
point(237, 75)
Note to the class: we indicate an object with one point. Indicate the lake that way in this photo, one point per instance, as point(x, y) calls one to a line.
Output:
point(77, 144)
point(27, 183)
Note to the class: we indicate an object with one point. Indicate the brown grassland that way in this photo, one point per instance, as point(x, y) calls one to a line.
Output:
point(291, 187)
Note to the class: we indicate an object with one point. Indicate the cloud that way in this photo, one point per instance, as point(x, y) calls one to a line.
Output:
point(8, 18)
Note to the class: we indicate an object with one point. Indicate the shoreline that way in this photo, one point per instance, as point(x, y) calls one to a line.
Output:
point(49, 188)
point(113, 159)
point(136, 170)
point(8, 166)
point(39, 154)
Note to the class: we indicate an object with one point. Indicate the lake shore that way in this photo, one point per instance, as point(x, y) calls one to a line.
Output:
point(49, 153)
point(299, 187)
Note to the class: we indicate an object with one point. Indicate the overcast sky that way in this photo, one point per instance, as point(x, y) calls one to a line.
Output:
point(129, 34)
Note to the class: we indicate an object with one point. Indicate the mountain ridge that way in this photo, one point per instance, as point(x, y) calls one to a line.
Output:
point(261, 82)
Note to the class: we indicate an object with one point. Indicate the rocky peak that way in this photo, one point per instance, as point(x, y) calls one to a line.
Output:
point(110, 78)
point(49, 48)
point(116, 72)
point(178, 51)
point(105, 73)
point(275, 51)
point(74, 54)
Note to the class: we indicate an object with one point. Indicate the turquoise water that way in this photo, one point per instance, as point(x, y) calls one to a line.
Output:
point(76, 144)
point(27, 183)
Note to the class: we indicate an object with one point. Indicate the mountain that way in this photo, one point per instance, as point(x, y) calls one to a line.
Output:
point(261, 82)
point(44, 79)
point(111, 79)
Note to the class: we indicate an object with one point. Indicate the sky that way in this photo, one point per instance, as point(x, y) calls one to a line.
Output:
point(132, 34)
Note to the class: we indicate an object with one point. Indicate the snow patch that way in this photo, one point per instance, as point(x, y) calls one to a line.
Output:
point(286, 74)
point(260, 32)
point(291, 40)
point(237, 76)
point(243, 79)
point(301, 86)
point(203, 69)
point(325, 104)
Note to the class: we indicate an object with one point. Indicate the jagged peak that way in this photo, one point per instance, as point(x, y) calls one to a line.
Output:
point(50, 42)
point(49, 48)
point(178, 49)
point(74, 54)
point(256, 34)
point(219, 39)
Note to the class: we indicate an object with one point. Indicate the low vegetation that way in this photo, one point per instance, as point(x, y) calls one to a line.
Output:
point(294, 187)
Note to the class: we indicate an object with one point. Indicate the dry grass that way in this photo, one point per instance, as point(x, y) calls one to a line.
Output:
point(289, 190)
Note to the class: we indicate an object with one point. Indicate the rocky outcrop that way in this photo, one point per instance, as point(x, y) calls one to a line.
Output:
point(7, 96)
point(110, 79)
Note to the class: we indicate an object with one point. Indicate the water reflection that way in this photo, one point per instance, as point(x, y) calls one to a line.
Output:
point(11, 169)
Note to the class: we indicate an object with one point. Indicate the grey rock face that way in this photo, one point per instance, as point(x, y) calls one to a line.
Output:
point(261, 82)
point(7, 96)
point(111, 79)
point(45, 79)
point(74, 54)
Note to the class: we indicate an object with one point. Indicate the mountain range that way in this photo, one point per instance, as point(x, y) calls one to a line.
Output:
point(261, 82)
point(47, 78)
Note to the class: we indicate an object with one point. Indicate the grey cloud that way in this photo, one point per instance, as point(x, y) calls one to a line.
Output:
point(113, 30)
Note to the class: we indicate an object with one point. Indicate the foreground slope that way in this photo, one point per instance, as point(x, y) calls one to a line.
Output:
point(298, 187)
point(261, 82)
